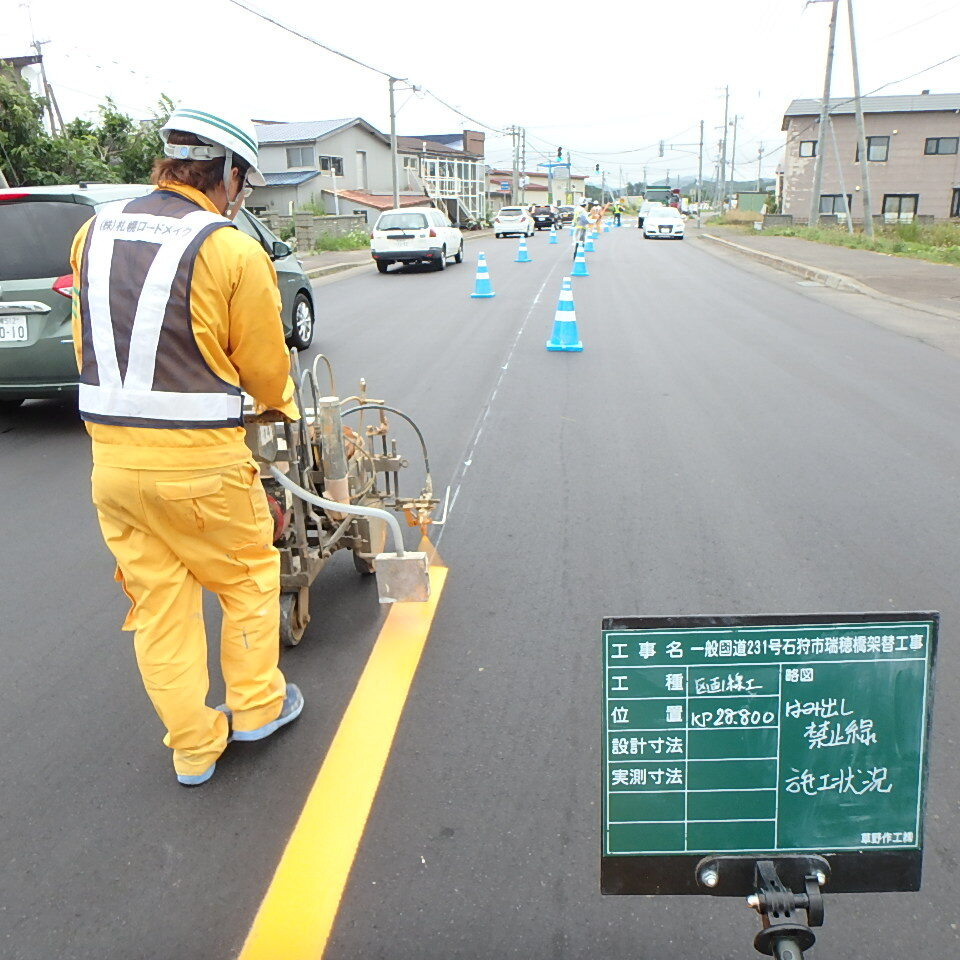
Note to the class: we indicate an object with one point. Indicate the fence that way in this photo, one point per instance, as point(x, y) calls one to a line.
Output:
point(308, 228)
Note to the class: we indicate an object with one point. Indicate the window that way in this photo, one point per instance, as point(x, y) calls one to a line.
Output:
point(877, 149)
point(43, 231)
point(955, 203)
point(401, 221)
point(940, 145)
point(900, 206)
point(332, 165)
point(411, 163)
point(832, 203)
point(299, 157)
point(808, 148)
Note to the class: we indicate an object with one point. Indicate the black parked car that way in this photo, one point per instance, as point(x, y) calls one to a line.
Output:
point(545, 217)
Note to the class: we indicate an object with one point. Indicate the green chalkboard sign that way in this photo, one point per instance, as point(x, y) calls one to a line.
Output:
point(753, 735)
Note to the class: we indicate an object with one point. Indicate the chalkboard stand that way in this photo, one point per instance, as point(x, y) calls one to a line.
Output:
point(775, 897)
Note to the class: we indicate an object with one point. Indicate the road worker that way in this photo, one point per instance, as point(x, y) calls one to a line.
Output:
point(581, 223)
point(177, 311)
point(617, 212)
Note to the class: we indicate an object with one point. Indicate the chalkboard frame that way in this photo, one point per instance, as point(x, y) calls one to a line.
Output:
point(866, 871)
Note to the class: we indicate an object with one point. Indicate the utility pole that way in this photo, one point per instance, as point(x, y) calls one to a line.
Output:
point(723, 147)
point(824, 108)
point(46, 87)
point(861, 132)
point(393, 146)
point(515, 138)
point(716, 175)
point(759, 161)
point(733, 151)
point(700, 178)
point(644, 179)
point(523, 160)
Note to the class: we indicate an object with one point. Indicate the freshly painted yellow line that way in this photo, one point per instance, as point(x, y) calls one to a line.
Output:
point(297, 913)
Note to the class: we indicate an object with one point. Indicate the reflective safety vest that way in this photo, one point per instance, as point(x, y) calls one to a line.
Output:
point(141, 363)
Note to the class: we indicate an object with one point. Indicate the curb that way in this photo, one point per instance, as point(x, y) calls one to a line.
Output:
point(837, 281)
point(318, 273)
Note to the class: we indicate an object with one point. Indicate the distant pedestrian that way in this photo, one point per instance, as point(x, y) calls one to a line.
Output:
point(617, 212)
point(581, 223)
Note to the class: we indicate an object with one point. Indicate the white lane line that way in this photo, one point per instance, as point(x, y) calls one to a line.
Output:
point(468, 457)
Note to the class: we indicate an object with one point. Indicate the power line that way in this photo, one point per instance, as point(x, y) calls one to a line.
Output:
point(309, 39)
point(840, 103)
point(459, 113)
point(359, 63)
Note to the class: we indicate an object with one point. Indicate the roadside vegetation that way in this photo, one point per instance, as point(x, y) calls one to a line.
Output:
point(936, 242)
point(354, 240)
point(114, 148)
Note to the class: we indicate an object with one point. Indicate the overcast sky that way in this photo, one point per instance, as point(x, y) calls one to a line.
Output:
point(605, 80)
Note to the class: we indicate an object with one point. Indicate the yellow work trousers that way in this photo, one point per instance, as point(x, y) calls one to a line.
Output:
point(172, 533)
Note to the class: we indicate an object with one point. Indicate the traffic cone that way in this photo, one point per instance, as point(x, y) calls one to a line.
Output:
point(553, 234)
point(482, 288)
point(522, 255)
point(566, 337)
point(580, 263)
point(589, 247)
point(606, 226)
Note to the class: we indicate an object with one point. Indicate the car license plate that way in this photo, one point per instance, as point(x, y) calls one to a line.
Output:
point(666, 229)
point(14, 330)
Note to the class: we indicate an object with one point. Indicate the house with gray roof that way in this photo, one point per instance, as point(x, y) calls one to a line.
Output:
point(912, 156)
point(312, 161)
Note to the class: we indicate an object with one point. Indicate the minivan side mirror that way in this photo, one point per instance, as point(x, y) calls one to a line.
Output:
point(280, 250)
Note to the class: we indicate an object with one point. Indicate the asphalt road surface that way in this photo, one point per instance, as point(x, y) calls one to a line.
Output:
point(729, 441)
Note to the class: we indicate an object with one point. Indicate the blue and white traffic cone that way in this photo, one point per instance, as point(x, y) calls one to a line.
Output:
point(522, 255)
point(482, 288)
point(580, 263)
point(606, 226)
point(589, 247)
point(553, 234)
point(566, 336)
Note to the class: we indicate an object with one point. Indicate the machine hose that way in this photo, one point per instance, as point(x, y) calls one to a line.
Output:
point(351, 509)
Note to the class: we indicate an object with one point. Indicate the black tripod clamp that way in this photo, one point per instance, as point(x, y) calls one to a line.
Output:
point(782, 887)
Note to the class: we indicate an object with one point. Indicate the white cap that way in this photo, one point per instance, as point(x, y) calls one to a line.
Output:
point(221, 132)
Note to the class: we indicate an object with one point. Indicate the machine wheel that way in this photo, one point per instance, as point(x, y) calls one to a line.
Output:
point(364, 566)
point(442, 262)
point(382, 265)
point(294, 617)
point(458, 256)
point(301, 335)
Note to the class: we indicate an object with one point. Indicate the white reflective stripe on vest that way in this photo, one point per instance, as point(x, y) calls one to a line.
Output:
point(108, 401)
point(173, 236)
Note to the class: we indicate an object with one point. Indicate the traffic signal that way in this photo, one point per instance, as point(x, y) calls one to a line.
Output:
point(559, 154)
point(598, 168)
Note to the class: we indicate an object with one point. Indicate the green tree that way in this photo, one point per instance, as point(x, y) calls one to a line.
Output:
point(115, 149)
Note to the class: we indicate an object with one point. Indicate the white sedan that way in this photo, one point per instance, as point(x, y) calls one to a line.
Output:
point(666, 223)
point(513, 220)
point(415, 235)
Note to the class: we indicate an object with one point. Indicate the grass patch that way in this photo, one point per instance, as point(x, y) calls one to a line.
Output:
point(737, 218)
point(354, 240)
point(936, 242)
